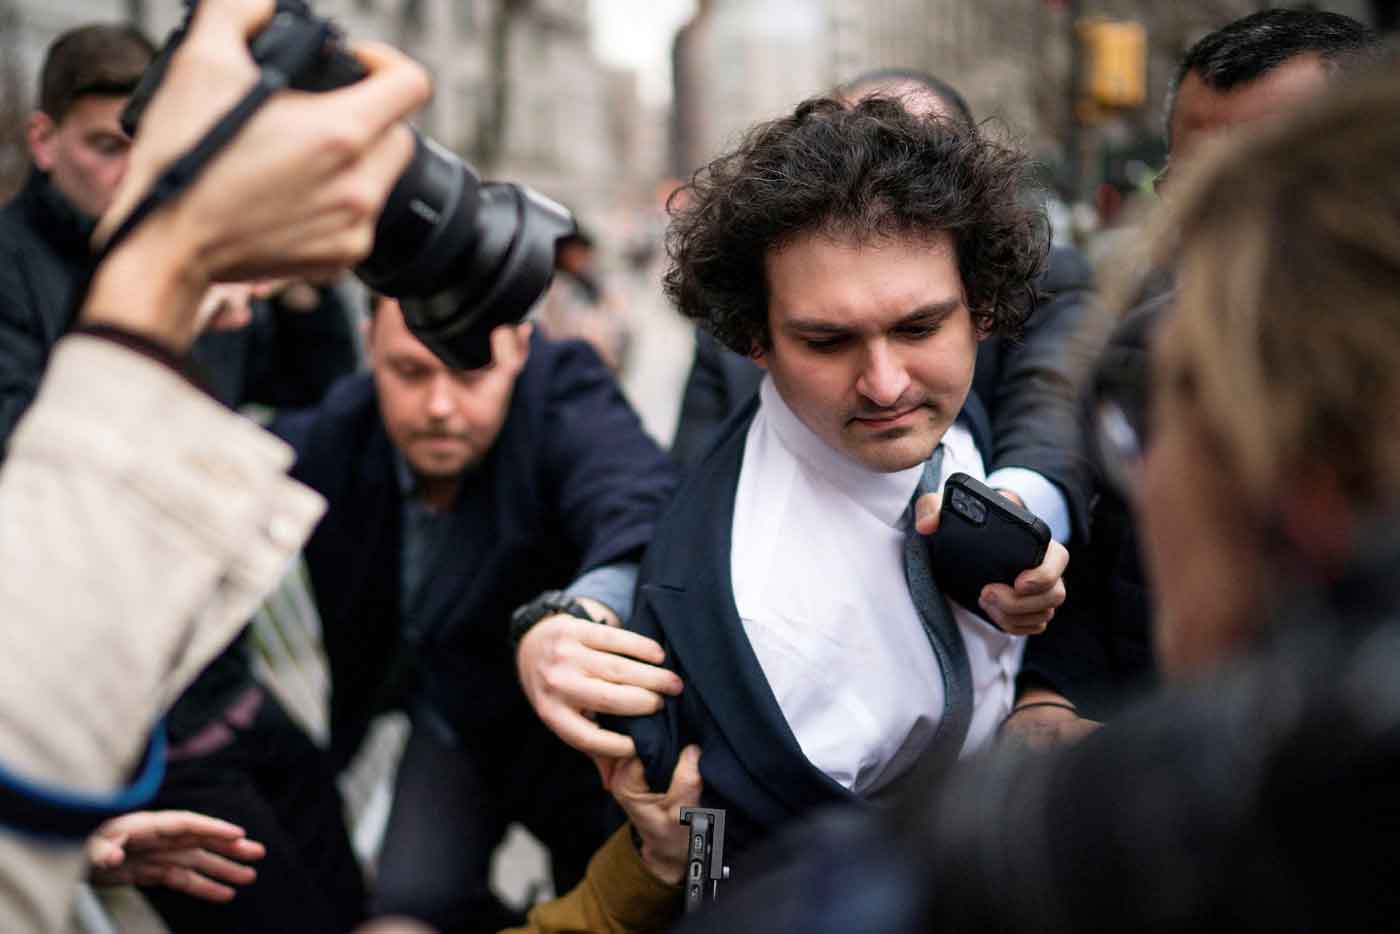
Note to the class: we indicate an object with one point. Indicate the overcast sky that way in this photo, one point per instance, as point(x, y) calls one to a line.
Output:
point(637, 34)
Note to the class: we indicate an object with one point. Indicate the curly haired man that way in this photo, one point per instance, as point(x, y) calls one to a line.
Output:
point(857, 254)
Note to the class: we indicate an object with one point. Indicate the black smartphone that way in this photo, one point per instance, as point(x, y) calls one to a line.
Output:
point(983, 538)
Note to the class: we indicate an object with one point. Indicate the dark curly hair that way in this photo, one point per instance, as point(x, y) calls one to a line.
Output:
point(864, 171)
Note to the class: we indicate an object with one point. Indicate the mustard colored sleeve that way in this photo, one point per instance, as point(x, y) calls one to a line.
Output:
point(617, 896)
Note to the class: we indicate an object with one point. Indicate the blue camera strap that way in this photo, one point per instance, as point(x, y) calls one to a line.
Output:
point(57, 813)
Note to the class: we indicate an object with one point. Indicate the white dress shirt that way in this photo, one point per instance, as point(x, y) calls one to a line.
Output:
point(817, 564)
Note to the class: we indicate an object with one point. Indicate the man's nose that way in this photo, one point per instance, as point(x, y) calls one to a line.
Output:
point(883, 378)
point(440, 401)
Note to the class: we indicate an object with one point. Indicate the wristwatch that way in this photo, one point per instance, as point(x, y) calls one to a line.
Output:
point(549, 603)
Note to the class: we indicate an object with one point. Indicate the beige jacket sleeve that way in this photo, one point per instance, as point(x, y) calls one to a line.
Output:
point(140, 525)
point(617, 896)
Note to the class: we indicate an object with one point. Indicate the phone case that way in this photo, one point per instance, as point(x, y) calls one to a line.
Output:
point(982, 538)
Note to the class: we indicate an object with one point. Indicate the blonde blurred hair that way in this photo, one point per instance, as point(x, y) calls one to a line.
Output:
point(1285, 338)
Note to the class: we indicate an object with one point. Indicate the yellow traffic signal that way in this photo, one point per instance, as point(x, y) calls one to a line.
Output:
point(1115, 62)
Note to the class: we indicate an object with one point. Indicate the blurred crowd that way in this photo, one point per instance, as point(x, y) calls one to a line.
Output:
point(1172, 713)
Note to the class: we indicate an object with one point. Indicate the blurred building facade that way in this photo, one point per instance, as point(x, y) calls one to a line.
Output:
point(519, 89)
point(1014, 60)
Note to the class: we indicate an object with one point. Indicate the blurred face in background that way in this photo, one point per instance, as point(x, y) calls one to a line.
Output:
point(84, 152)
point(441, 419)
point(1201, 112)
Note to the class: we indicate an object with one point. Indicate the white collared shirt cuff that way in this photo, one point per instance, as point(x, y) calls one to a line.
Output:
point(1041, 497)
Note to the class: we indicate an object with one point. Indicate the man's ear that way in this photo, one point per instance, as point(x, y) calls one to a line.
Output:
point(39, 133)
point(982, 327)
point(759, 354)
point(510, 347)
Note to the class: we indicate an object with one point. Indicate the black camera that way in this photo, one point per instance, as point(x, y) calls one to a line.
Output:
point(461, 255)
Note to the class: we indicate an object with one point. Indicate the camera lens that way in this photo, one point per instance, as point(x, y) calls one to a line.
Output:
point(462, 256)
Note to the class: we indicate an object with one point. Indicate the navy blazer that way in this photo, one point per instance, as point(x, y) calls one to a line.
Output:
point(572, 483)
point(751, 762)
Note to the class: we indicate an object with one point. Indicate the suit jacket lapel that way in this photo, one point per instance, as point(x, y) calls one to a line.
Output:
point(693, 599)
point(974, 416)
point(369, 525)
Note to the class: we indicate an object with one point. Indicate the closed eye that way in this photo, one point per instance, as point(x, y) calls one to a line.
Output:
point(826, 344)
point(917, 331)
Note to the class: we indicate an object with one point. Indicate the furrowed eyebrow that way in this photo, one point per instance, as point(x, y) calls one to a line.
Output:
point(815, 328)
point(931, 313)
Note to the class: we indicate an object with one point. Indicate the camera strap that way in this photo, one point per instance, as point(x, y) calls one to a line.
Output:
point(48, 811)
point(183, 171)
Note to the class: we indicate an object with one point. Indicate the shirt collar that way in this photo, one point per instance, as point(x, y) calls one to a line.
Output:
point(886, 496)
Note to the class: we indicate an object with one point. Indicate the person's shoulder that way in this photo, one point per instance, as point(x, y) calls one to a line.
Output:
point(348, 401)
point(12, 214)
point(559, 359)
point(17, 229)
point(351, 393)
point(1066, 270)
point(560, 371)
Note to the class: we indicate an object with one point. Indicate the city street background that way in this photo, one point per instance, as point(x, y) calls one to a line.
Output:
point(604, 105)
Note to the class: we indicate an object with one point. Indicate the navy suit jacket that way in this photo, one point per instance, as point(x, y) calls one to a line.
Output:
point(751, 762)
point(572, 483)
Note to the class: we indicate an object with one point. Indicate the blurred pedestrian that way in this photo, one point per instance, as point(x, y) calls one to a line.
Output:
point(578, 306)
point(80, 151)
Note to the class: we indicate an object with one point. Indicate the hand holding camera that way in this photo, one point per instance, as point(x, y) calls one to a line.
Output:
point(462, 256)
point(296, 192)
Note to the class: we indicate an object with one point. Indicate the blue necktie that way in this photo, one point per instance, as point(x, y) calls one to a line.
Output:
point(941, 629)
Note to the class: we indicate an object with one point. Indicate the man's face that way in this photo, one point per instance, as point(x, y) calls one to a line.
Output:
point(1199, 549)
point(84, 153)
point(872, 344)
point(442, 420)
point(1201, 112)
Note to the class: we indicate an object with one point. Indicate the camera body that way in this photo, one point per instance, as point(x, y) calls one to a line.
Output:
point(705, 868)
point(982, 538)
point(461, 255)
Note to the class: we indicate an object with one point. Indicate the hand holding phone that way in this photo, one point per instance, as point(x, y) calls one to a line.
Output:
point(982, 538)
